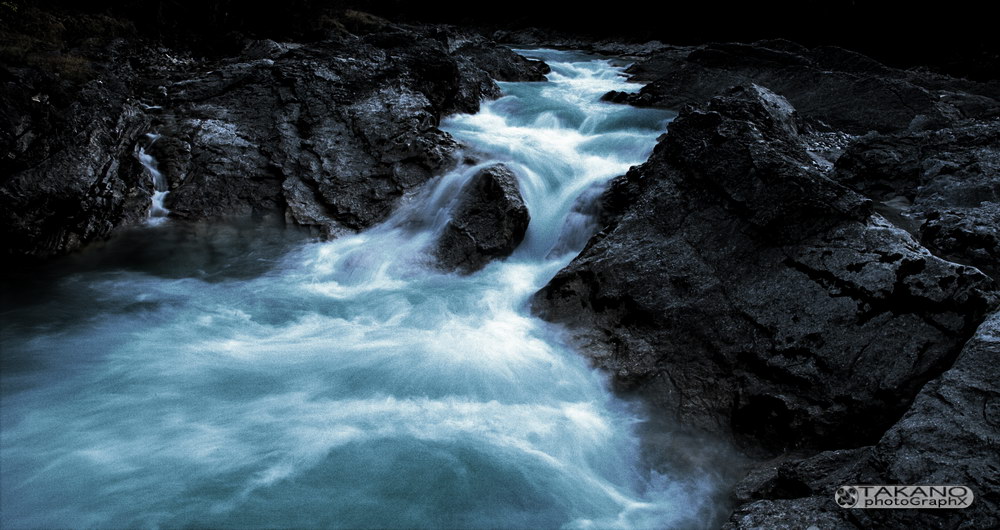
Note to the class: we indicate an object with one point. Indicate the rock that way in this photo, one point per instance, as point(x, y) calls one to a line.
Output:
point(501, 63)
point(783, 514)
point(833, 87)
point(480, 62)
point(948, 436)
point(944, 186)
point(548, 38)
point(70, 168)
point(487, 223)
point(742, 291)
point(628, 50)
point(538, 37)
point(966, 235)
point(329, 135)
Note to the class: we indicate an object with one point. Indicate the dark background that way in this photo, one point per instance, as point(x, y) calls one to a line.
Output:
point(958, 37)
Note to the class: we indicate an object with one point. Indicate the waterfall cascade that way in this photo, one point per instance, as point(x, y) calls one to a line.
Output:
point(157, 211)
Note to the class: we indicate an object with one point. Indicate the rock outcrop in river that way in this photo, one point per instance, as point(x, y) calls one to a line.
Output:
point(740, 287)
point(331, 134)
point(488, 222)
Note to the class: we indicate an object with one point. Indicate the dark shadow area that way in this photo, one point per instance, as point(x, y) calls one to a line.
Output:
point(956, 37)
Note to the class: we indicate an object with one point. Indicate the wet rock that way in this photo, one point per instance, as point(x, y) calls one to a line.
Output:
point(965, 235)
point(70, 168)
point(783, 514)
point(488, 222)
point(538, 37)
point(943, 185)
point(743, 291)
point(480, 62)
point(329, 135)
point(547, 38)
point(947, 436)
point(833, 87)
point(501, 63)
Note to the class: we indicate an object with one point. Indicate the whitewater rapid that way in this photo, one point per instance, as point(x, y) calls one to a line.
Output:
point(242, 381)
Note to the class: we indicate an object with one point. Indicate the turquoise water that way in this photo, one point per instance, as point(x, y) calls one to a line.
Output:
point(241, 376)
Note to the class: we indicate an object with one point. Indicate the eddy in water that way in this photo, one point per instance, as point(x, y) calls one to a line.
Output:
point(347, 383)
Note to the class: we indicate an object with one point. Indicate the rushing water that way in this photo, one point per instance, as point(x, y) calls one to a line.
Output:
point(157, 211)
point(227, 376)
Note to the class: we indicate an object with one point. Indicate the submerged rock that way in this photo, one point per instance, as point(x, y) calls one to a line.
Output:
point(743, 291)
point(488, 222)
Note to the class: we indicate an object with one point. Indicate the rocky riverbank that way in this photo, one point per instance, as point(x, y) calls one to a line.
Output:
point(826, 300)
point(806, 266)
point(327, 134)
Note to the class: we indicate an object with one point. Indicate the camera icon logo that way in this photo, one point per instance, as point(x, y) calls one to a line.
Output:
point(847, 496)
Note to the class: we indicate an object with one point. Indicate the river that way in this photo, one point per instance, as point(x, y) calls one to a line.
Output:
point(248, 376)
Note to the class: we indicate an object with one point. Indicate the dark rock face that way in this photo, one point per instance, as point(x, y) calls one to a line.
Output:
point(69, 170)
point(803, 291)
point(831, 86)
point(488, 222)
point(327, 135)
point(943, 185)
point(500, 63)
point(331, 134)
point(537, 38)
point(744, 291)
point(948, 436)
point(481, 62)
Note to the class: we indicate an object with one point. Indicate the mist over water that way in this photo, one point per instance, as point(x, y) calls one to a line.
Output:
point(244, 376)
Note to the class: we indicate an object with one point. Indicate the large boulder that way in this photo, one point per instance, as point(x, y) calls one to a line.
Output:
point(743, 291)
point(831, 86)
point(501, 63)
point(488, 221)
